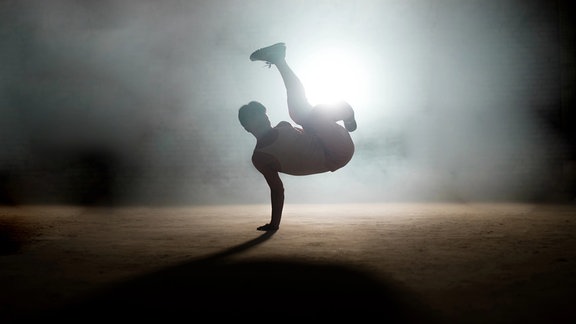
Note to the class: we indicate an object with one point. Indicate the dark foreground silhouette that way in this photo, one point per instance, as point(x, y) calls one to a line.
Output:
point(221, 288)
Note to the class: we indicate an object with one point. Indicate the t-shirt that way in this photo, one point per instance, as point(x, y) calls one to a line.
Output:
point(293, 150)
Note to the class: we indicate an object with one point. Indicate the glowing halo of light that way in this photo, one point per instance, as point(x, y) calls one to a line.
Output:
point(332, 74)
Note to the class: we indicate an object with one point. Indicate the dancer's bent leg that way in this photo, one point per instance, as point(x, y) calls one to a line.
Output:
point(300, 109)
point(336, 140)
point(298, 106)
point(335, 111)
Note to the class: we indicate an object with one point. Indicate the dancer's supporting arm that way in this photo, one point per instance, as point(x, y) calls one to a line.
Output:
point(268, 166)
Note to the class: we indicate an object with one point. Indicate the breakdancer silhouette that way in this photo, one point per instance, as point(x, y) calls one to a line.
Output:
point(319, 144)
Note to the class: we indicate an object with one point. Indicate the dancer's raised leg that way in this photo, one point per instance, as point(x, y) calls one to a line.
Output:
point(298, 106)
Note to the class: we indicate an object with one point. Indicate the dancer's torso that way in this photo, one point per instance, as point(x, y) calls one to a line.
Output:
point(297, 152)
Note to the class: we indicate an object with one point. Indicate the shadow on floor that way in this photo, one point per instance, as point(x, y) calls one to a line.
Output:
point(217, 287)
point(13, 237)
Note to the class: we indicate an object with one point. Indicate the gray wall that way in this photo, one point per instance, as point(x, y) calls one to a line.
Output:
point(136, 101)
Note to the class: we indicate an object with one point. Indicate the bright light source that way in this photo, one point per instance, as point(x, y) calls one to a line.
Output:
point(331, 74)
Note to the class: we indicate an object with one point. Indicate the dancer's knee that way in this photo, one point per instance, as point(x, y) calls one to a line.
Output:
point(299, 110)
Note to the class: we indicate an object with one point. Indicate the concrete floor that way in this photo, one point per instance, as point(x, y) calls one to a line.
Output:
point(445, 263)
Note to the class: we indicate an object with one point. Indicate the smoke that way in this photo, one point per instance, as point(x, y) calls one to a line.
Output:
point(136, 101)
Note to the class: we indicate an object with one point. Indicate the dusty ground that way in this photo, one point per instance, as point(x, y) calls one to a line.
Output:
point(448, 263)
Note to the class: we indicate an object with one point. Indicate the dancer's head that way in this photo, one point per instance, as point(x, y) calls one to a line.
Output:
point(253, 118)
